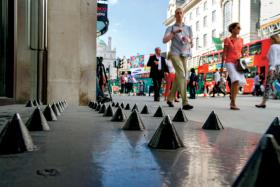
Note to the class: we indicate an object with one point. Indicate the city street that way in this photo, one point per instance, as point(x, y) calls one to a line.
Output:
point(249, 118)
point(84, 148)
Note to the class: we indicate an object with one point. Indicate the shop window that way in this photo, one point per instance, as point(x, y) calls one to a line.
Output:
point(255, 49)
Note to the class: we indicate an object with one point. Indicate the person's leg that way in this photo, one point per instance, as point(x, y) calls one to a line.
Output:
point(234, 91)
point(159, 88)
point(269, 81)
point(167, 86)
point(155, 82)
point(179, 69)
point(192, 92)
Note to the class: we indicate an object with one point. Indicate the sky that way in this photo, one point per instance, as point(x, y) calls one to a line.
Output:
point(136, 26)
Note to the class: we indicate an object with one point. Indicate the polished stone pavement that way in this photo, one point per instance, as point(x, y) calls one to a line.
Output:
point(86, 149)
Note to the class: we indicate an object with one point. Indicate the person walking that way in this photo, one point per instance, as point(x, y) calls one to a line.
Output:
point(274, 68)
point(170, 77)
point(217, 78)
point(130, 81)
point(223, 84)
point(122, 79)
point(217, 87)
point(158, 69)
point(180, 36)
point(193, 84)
point(257, 85)
point(232, 53)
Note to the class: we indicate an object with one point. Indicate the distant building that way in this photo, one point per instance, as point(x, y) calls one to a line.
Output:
point(270, 18)
point(109, 56)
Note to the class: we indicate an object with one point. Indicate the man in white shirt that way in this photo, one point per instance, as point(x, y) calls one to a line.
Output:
point(181, 38)
point(216, 88)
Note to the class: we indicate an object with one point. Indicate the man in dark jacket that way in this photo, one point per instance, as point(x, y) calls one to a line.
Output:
point(193, 84)
point(158, 69)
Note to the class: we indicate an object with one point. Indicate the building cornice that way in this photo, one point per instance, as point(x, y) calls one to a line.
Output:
point(186, 7)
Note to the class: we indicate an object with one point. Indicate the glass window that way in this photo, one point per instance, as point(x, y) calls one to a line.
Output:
point(209, 77)
point(255, 49)
point(214, 16)
point(197, 11)
point(205, 5)
point(205, 21)
point(214, 33)
point(190, 15)
point(210, 59)
point(216, 57)
point(227, 18)
point(197, 43)
point(197, 26)
point(205, 40)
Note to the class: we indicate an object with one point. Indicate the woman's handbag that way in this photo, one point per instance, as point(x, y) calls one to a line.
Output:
point(241, 66)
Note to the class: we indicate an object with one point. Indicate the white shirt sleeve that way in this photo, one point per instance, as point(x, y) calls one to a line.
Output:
point(273, 56)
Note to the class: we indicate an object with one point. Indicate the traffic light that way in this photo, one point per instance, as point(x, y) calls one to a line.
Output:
point(121, 64)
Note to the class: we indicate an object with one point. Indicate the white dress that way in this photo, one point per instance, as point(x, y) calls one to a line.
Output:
point(235, 75)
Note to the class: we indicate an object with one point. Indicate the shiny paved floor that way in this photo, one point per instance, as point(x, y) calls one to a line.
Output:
point(86, 149)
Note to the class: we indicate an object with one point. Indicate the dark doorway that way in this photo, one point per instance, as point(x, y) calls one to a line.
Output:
point(7, 48)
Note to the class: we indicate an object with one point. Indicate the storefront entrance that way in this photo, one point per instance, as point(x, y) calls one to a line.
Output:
point(7, 49)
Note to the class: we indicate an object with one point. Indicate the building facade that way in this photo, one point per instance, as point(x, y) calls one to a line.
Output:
point(270, 18)
point(109, 56)
point(210, 18)
point(48, 50)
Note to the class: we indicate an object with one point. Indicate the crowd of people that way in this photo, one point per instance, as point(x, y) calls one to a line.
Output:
point(174, 69)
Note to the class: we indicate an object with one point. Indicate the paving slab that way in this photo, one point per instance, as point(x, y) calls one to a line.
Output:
point(84, 148)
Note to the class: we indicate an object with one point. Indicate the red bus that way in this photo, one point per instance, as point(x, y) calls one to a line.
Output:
point(254, 52)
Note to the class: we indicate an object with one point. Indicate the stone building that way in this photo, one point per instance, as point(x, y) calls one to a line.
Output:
point(109, 56)
point(48, 50)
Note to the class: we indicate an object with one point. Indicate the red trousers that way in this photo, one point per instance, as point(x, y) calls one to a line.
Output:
point(169, 80)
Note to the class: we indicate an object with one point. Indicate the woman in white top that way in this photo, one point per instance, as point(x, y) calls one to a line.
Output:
point(169, 77)
point(274, 67)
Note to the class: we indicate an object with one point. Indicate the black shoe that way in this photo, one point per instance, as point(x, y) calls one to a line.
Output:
point(157, 99)
point(260, 106)
point(187, 107)
point(170, 104)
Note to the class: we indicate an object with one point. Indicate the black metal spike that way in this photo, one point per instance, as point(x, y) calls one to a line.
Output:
point(15, 138)
point(134, 122)
point(37, 121)
point(49, 114)
point(166, 136)
point(213, 122)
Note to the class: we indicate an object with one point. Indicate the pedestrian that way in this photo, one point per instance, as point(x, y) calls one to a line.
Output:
point(158, 70)
point(217, 78)
point(126, 83)
point(122, 79)
point(130, 82)
point(141, 88)
point(222, 84)
point(170, 77)
point(232, 53)
point(217, 85)
point(257, 85)
point(274, 68)
point(193, 84)
point(181, 38)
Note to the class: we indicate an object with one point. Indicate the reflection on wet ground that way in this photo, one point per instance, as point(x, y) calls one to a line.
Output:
point(210, 158)
point(90, 150)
